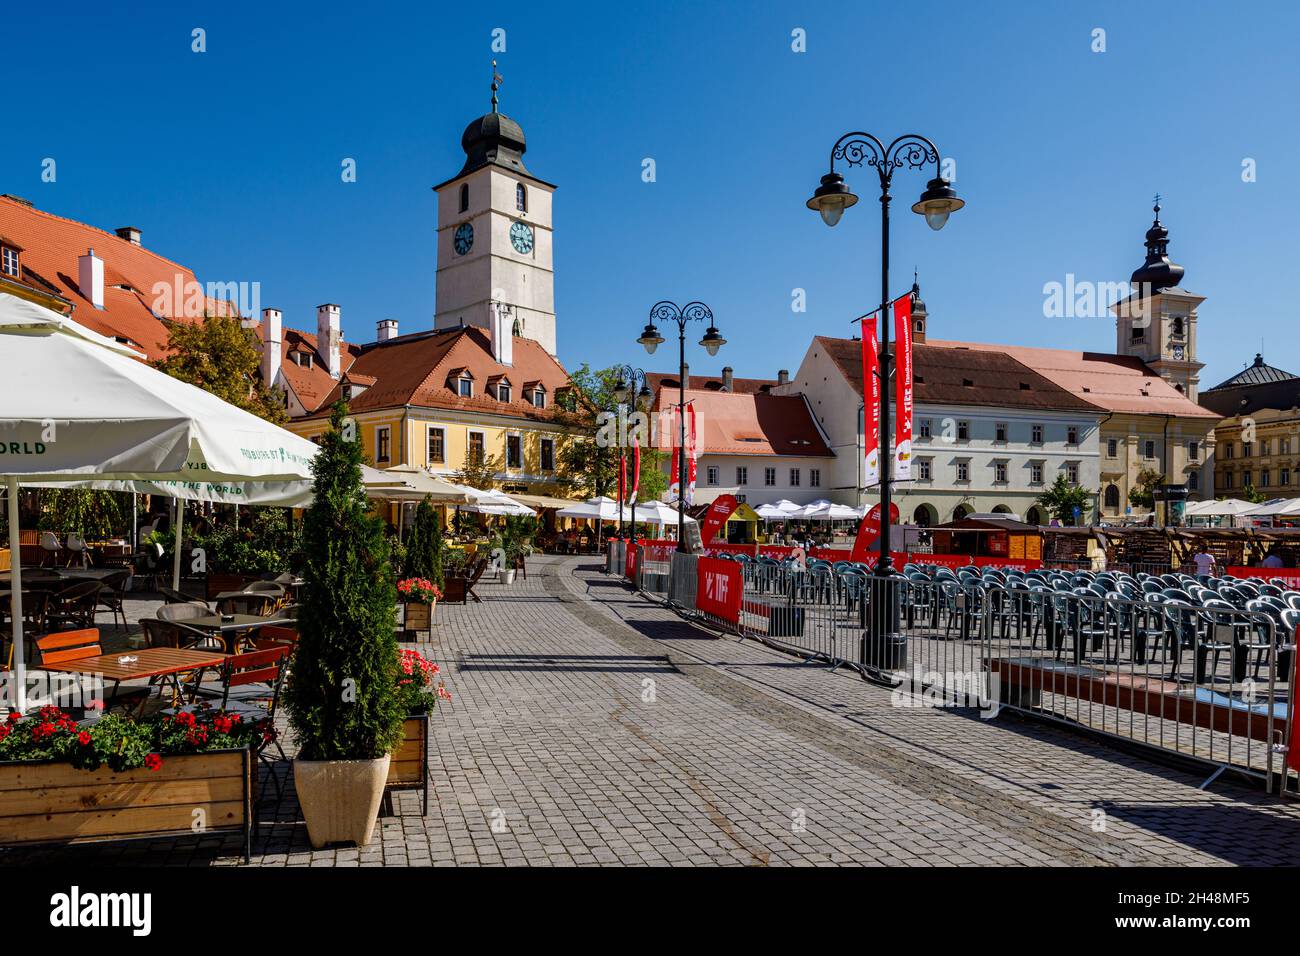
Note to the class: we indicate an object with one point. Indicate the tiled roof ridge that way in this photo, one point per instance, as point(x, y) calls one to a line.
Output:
point(110, 235)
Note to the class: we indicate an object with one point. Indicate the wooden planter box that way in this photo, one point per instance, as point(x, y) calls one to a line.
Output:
point(419, 616)
point(57, 803)
point(409, 767)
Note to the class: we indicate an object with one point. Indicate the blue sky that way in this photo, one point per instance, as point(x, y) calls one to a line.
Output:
point(229, 161)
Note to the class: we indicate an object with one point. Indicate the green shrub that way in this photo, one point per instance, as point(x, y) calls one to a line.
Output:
point(342, 691)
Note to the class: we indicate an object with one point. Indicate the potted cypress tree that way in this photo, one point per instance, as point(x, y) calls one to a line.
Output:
point(422, 567)
point(341, 694)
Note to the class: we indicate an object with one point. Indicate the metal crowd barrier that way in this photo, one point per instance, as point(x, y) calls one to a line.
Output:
point(1201, 679)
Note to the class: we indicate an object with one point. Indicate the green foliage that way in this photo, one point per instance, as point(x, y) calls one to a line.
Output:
point(424, 545)
point(1142, 494)
point(221, 356)
point(479, 471)
point(1253, 495)
point(589, 467)
point(92, 514)
point(1061, 498)
point(342, 691)
point(262, 542)
point(516, 536)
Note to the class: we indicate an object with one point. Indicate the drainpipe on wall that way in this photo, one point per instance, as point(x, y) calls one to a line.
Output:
point(1165, 455)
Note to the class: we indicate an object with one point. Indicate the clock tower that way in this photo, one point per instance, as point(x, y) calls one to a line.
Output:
point(494, 235)
point(1157, 323)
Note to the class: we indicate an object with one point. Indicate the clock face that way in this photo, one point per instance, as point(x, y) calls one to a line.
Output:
point(521, 237)
point(1178, 352)
point(463, 240)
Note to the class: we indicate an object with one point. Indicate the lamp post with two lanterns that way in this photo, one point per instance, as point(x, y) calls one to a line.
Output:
point(712, 341)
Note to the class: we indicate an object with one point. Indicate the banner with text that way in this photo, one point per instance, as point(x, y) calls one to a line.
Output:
point(716, 517)
point(903, 388)
point(718, 588)
point(871, 401)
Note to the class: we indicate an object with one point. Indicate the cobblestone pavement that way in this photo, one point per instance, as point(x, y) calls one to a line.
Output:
point(592, 726)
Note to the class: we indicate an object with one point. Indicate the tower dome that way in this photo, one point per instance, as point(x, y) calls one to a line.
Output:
point(1157, 272)
point(493, 139)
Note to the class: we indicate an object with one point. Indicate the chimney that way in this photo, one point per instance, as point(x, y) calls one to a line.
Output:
point(90, 278)
point(329, 335)
point(726, 378)
point(502, 334)
point(386, 329)
point(783, 377)
point(272, 339)
point(130, 233)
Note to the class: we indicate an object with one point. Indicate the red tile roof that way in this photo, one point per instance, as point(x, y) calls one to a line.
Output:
point(748, 423)
point(414, 370)
point(946, 375)
point(51, 246)
point(713, 383)
point(1116, 383)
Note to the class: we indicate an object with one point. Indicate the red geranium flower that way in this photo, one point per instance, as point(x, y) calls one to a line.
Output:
point(153, 761)
point(83, 738)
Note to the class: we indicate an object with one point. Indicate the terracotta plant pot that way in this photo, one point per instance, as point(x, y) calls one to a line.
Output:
point(340, 798)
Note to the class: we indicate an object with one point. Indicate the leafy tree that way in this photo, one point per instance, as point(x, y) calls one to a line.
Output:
point(264, 541)
point(1143, 492)
point(479, 471)
point(1062, 497)
point(342, 690)
point(93, 514)
point(1253, 495)
point(221, 356)
point(424, 546)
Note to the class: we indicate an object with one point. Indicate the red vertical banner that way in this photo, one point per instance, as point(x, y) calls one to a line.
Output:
point(675, 478)
point(1293, 741)
point(692, 453)
point(622, 479)
point(903, 388)
point(636, 471)
point(871, 400)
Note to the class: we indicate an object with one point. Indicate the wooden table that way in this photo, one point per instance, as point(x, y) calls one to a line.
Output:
point(228, 630)
point(150, 662)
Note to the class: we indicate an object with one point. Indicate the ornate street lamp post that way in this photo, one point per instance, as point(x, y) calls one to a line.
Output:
point(938, 200)
point(629, 389)
point(712, 341)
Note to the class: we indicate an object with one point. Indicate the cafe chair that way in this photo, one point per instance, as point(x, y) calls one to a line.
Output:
point(68, 646)
point(110, 596)
point(74, 606)
point(49, 543)
point(77, 550)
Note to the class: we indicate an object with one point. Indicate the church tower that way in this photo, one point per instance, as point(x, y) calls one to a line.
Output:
point(494, 235)
point(1157, 323)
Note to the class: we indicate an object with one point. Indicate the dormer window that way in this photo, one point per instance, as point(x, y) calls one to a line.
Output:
point(521, 197)
point(9, 261)
point(503, 392)
point(538, 398)
point(303, 359)
point(465, 387)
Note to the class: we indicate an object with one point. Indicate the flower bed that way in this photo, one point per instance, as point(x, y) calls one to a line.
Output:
point(125, 779)
point(409, 767)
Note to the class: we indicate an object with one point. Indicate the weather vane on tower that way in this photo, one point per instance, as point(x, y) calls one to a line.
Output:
point(496, 85)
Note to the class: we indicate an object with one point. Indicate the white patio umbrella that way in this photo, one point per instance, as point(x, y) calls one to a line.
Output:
point(1218, 509)
point(654, 512)
point(827, 511)
point(600, 508)
point(1273, 508)
point(77, 406)
point(413, 483)
point(497, 503)
point(771, 512)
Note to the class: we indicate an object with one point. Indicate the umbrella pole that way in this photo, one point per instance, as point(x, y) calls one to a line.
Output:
point(176, 558)
point(16, 596)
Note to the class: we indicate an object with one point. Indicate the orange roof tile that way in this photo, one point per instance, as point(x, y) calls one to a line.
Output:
point(51, 246)
point(751, 423)
point(1116, 383)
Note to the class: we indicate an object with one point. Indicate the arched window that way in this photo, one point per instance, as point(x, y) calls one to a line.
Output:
point(1178, 325)
point(919, 325)
point(1112, 497)
point(464, 197)
point(521, 197)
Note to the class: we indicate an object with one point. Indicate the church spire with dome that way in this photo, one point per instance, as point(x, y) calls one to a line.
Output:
point(1157, 273)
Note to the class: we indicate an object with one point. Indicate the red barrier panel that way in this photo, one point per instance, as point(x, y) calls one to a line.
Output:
point(629, 566)
point(1290, 575)
point(718, 588)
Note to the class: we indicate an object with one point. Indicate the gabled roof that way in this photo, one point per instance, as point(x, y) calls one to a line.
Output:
point(51, 247)
point(414, 370)
point(712, 383)
point(752, 423)
point(1256, 373)
point(947, 375)
point(1114, 383)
